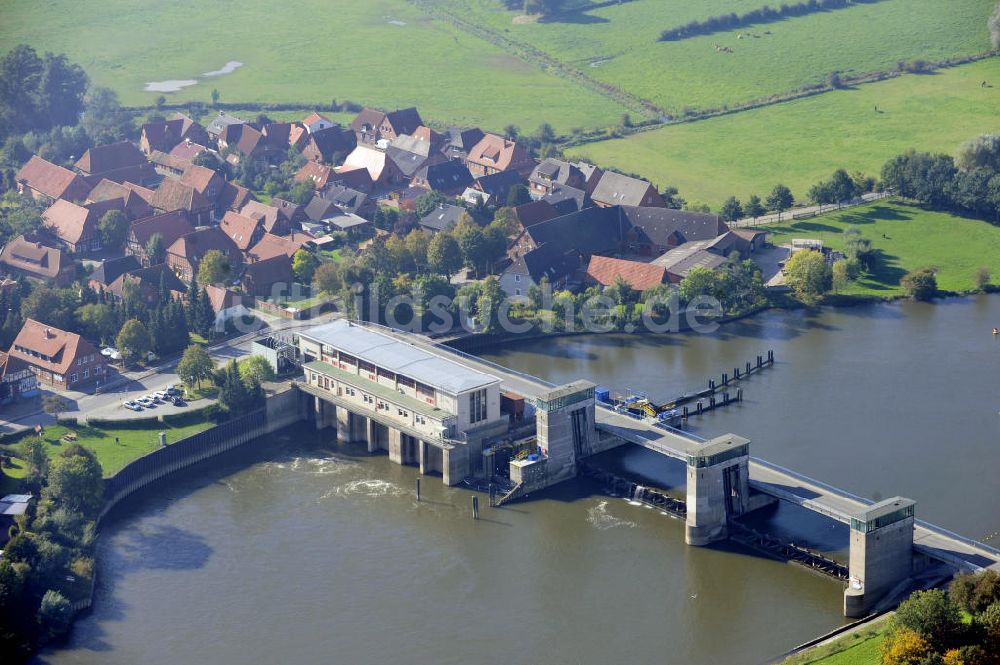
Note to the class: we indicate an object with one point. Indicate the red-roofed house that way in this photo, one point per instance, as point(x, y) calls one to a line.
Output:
point(116, 161)
point(271, 245)
point(640, 276)
point(244, 231)
point(28, 256)
point(186, 253)
point(175, 195)
point(58, 358)
point(269, 277)
point(76, 226)
point(17, 379)
point(495, 154)
point(46, 182)
point(314, 122)
point(226, 304)
point(169, 226)
point(316, 174)
point(206, 182)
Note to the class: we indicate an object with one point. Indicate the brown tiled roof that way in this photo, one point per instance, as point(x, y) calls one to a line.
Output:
point(250, 141)
point(371, 118)
point(271, 246)
point(53, 180)
point(192, 246)
point(198, 177)
point(175, 195)
point(498, 153)
point(135, 198)
point(187, 150)
point(241, 229)
point(190, 130)
point(29, 255)
point(358, 179)
point(313, 118)
point(61, 348)
point(110, 157)
point(233, 196)
point(315, 173)
point(221, 298)
point(134, 173)
point(148, 280)
point(640, 276)
point(264, 274)
point(160, 158)
point(68, 221)
point(170, 226)
point(163, 135)
point(298, 136)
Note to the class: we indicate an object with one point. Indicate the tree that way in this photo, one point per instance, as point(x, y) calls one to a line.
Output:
point(235, 395)
point(904, 647)
point(215, 96)
point(731, 210)
point(55, 614)
point(103, 118)
point(700, 281)
point(98, 321)
point(840, 275)
point(156, 250)
point(982, 151)
point(933, 616)
point(54, 405)
point(511, 132)
point(417, 242)
point(780, 199)
point(76, 481)
point(195, 365)
point(327, 278)
point(113, 227)
point(834, 81)
point(53, 307)
point(808, 275)
point(983, 278)
point(754, 208)
point(974, 593)
point(920, 284)
point(426, 203)
point(444, 256)
point(488, 304)
point(256, 370)
point(304, 265)
point(133, 340)
point(214, 268)
point(38, 462)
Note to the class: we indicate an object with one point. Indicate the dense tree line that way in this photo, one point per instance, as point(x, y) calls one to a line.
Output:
point(49, 557)
point(765, 14)
point(968, 183)
point(929, 627)
point(49, 108)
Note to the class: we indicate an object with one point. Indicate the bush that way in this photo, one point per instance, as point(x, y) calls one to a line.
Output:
point(920, 284)
point(126, 423)
point(210, 412)
point(54, 614)
point(933, 616)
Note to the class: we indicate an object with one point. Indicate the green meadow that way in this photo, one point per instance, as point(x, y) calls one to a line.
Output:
point(799, 142)
point(617, 43)
point(905, 238)
point(379, 52)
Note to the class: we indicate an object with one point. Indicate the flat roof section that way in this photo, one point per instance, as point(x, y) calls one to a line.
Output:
point(377, 389)
point(399, 357)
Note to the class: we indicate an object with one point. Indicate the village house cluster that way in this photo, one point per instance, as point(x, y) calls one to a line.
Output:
point(584, 225)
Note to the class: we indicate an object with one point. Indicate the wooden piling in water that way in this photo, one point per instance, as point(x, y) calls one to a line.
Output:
point(475, 507)
point(418, 489)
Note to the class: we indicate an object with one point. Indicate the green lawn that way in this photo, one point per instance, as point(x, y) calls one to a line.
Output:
point(906, 238)
point(802, 141)
point(617, 43)
point(381, 52)
point(857, 648)
point(133, 443)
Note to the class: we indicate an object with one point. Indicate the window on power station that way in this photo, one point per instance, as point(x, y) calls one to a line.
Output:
point(477, 406)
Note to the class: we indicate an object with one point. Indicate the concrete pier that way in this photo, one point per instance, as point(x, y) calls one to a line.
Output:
point(718, 488)
point(881, 553)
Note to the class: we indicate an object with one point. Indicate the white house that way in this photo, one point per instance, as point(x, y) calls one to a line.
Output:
point(315, 122)
point(226, 304)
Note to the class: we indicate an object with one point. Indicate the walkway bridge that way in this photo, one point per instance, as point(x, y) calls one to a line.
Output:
point(725, 482)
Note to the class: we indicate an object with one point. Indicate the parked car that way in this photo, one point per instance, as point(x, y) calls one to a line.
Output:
point(147, 402)
point(177, 401)
point(172, 390)
point(152, 398)
point(162, 395)
point(133, 406)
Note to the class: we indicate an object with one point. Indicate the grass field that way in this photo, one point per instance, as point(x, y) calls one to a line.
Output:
point(906, 238)
point(799, 142)
point(617, 44)
point(379, 52)
point(391, 53)
point(857, 648)
point(133, 443)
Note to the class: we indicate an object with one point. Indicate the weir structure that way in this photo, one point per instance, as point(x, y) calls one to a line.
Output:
point(440, 409)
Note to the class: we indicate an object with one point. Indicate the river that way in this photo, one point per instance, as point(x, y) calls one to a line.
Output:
point(304, 552)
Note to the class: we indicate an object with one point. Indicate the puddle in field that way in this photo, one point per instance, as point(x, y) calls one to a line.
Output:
point(228, 68)
point(176, 85)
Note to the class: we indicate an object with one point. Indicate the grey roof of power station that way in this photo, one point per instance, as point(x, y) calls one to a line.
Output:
point(400, 357)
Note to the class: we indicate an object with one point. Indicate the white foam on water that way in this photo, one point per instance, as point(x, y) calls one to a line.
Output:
point(315, 466)
point(169, 86)
point(227, 68)
point(368, 487)
point(599, 517)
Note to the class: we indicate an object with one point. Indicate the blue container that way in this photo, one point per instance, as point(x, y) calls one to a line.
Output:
point(602, 395)
point(533, 458)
